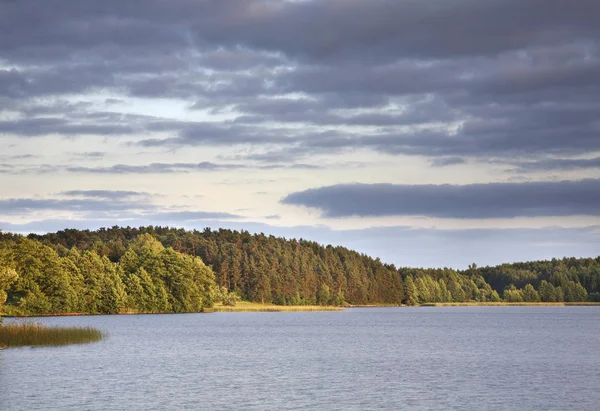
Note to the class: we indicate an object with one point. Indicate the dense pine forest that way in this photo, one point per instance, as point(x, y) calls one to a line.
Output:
point(161, 269)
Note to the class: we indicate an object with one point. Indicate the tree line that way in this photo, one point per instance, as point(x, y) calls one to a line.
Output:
point(162, 269)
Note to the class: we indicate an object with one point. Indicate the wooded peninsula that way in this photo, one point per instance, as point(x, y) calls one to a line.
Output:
point(168, 270)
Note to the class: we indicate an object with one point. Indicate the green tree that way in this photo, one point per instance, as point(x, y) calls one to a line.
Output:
point(7, 277)
point(530, 295)
point(410, 292)
point(547, 292)
point(513, 295)
point(494, 297)
point(323, 295)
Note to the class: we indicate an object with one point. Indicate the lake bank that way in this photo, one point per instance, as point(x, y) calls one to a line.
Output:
point(245, 306)
point(242, 306)
point(506, 304)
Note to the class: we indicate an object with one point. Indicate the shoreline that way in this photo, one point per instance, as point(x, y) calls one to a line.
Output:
point(251, 307)
point(521, 304)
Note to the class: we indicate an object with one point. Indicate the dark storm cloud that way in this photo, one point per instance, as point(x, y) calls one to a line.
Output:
point(492, 200)
point(312, 30)
point(507, 77)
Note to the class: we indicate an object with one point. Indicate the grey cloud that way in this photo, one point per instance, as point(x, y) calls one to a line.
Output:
point(195, 134)
point(117, 195)
point(313, 30)
point(447, 161)
point(155, 168)
point(326, 112)
point(492, 200)
point(168, 168)
point(20, 206)
point(91, 155)
point(17, 157)
point(557, 164)
point(44, 126)
point(519, 78)
point(110, 101)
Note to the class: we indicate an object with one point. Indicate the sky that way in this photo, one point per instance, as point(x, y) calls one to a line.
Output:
point(425, 133)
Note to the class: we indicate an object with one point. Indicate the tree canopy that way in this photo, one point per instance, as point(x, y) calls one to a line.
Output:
point(162, 269)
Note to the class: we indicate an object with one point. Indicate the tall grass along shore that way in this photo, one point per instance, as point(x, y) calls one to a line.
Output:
point(245, 306)
point(20, 334)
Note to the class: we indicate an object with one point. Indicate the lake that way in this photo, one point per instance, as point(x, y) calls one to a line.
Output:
point(422, 358)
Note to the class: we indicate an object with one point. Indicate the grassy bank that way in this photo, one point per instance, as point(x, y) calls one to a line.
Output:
point(493, 304)
point(35, 334)
point(245, 306)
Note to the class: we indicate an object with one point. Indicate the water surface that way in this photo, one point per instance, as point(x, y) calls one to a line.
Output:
point(426, 358)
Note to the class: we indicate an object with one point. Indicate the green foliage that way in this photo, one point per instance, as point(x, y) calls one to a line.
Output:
point(224, 296)
point(412, 298)
point(513, 295)
point(151, 278)
point(7, 277)
point(161, 269)
point(547, 292)
point(323, 295)
point(530, 295)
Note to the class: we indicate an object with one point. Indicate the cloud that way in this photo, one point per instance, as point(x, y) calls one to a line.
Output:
point(117, 195)
point(492, 200)
point(168, 168)
point(23, 206)
point(108, 205)
point(447, 161)
point(154, 168)
point(557, 164)
point(46, 126)
point(91, 155)
point(514, 79)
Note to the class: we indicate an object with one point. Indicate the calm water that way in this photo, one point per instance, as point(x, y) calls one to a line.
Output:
point(454, 358)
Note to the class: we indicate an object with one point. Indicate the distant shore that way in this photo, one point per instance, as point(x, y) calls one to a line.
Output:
point(494, 304)
point(245, 306)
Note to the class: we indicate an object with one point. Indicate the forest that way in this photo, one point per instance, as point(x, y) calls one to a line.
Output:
point(169, 270)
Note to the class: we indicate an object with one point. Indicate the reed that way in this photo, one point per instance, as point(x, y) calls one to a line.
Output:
point(254, 307)
point(17, 334)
